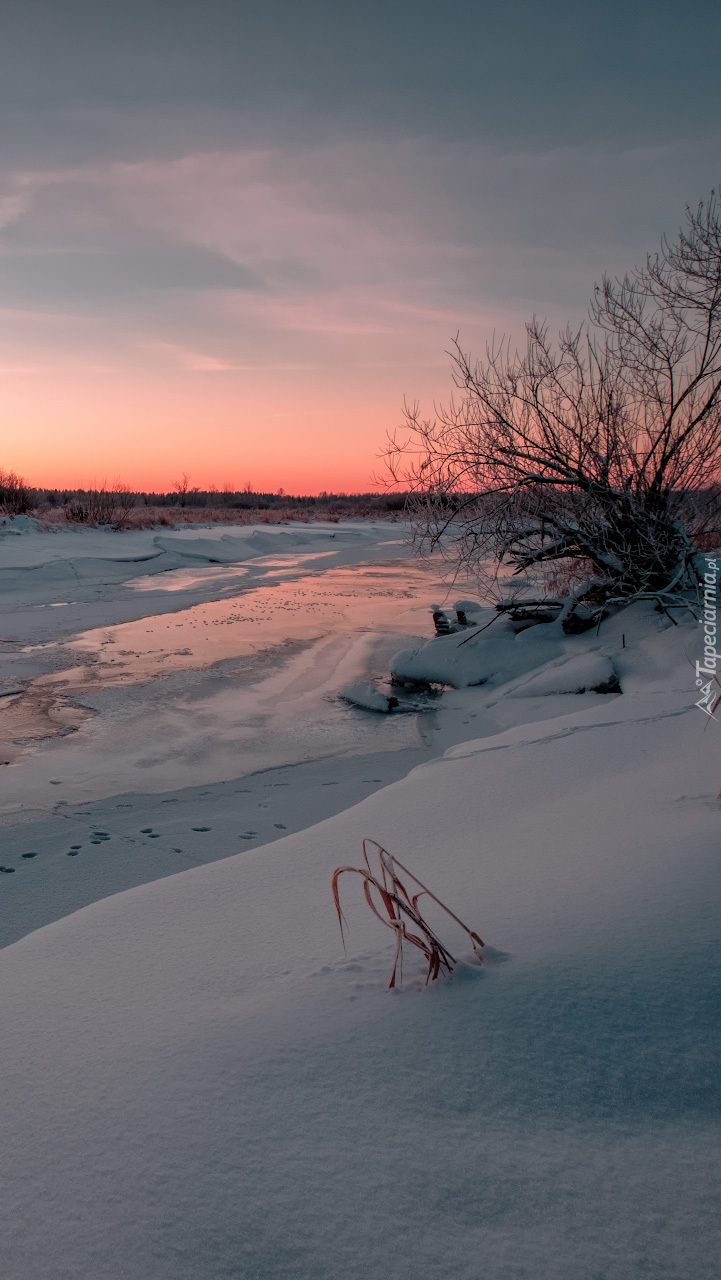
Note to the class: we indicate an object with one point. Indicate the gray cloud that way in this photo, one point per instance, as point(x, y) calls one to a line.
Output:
point(105, 279)
point(362, 248)
point(322, 188)
point(82, 75)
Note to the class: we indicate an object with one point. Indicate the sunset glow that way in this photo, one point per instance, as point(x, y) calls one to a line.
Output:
point(232, 269)
point(360, 663)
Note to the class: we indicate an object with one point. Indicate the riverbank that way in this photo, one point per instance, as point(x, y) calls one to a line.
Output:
point(198, 1081)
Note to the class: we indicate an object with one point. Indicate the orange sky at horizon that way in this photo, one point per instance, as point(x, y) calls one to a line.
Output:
point(234, 457)
point(83, 431)
point(239, 316)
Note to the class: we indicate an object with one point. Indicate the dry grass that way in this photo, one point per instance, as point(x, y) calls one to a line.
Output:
point(148, 517)
point(142, 517)
point(397, 908)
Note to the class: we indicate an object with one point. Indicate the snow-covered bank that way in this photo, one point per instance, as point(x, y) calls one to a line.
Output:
point(78, 855)
point(198, 1083)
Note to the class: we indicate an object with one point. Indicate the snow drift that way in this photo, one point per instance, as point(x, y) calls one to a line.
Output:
point(197, 1082)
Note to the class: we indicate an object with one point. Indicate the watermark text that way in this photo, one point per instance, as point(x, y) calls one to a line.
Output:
point(707, 680)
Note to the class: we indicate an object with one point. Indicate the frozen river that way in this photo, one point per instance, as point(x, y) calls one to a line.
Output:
point(215, 690)
point(199, 713)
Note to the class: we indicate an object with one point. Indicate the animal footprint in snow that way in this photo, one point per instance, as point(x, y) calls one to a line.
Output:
point(28, 855)
point(7, 870)
point(280, 825)
point(201, 828)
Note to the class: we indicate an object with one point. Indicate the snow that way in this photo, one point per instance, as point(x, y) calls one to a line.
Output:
point(571, 675)
point(498, 651)
point(195, 672)
point(198, 1082)
point(362, 694)
point(98, 568)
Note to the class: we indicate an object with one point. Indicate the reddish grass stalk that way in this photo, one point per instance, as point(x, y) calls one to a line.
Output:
point(398, 908)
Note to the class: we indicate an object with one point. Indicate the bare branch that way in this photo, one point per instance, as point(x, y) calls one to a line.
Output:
point(602, 447)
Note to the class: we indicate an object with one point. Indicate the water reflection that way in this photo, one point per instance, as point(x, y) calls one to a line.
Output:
point(191, 576)
point(229, 686)
point(386, 598)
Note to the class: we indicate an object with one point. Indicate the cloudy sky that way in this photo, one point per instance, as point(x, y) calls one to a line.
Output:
point(235, 235)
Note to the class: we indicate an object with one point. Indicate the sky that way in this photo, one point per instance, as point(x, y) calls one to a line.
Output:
point(235, 237)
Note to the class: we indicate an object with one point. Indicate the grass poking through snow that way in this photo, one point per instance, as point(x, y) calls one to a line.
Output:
point(397, 909)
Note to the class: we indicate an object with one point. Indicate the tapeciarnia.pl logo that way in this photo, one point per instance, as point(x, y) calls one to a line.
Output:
point(706, 677)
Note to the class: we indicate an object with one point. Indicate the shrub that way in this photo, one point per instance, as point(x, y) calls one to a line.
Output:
point(600, 448)
point(15, 497)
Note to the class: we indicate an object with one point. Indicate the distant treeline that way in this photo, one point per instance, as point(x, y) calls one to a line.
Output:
point(237, 500)
point(123, 507)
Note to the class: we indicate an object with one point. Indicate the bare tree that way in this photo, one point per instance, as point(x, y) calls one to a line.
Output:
point(181, 488)
point(184, 491)
point(124, 503)
point(15, 496)
point(602, 449)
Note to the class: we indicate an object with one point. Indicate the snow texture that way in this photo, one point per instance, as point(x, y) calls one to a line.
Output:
point(362, 694)
point(197, 1082)
point(571, 675)
point(496, 651)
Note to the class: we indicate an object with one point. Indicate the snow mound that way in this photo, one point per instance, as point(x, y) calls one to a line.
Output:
point(362, 694)
point(230, 548)
point(225, 550)
point(13, 526)
point(467, 658)
point(587, 671)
